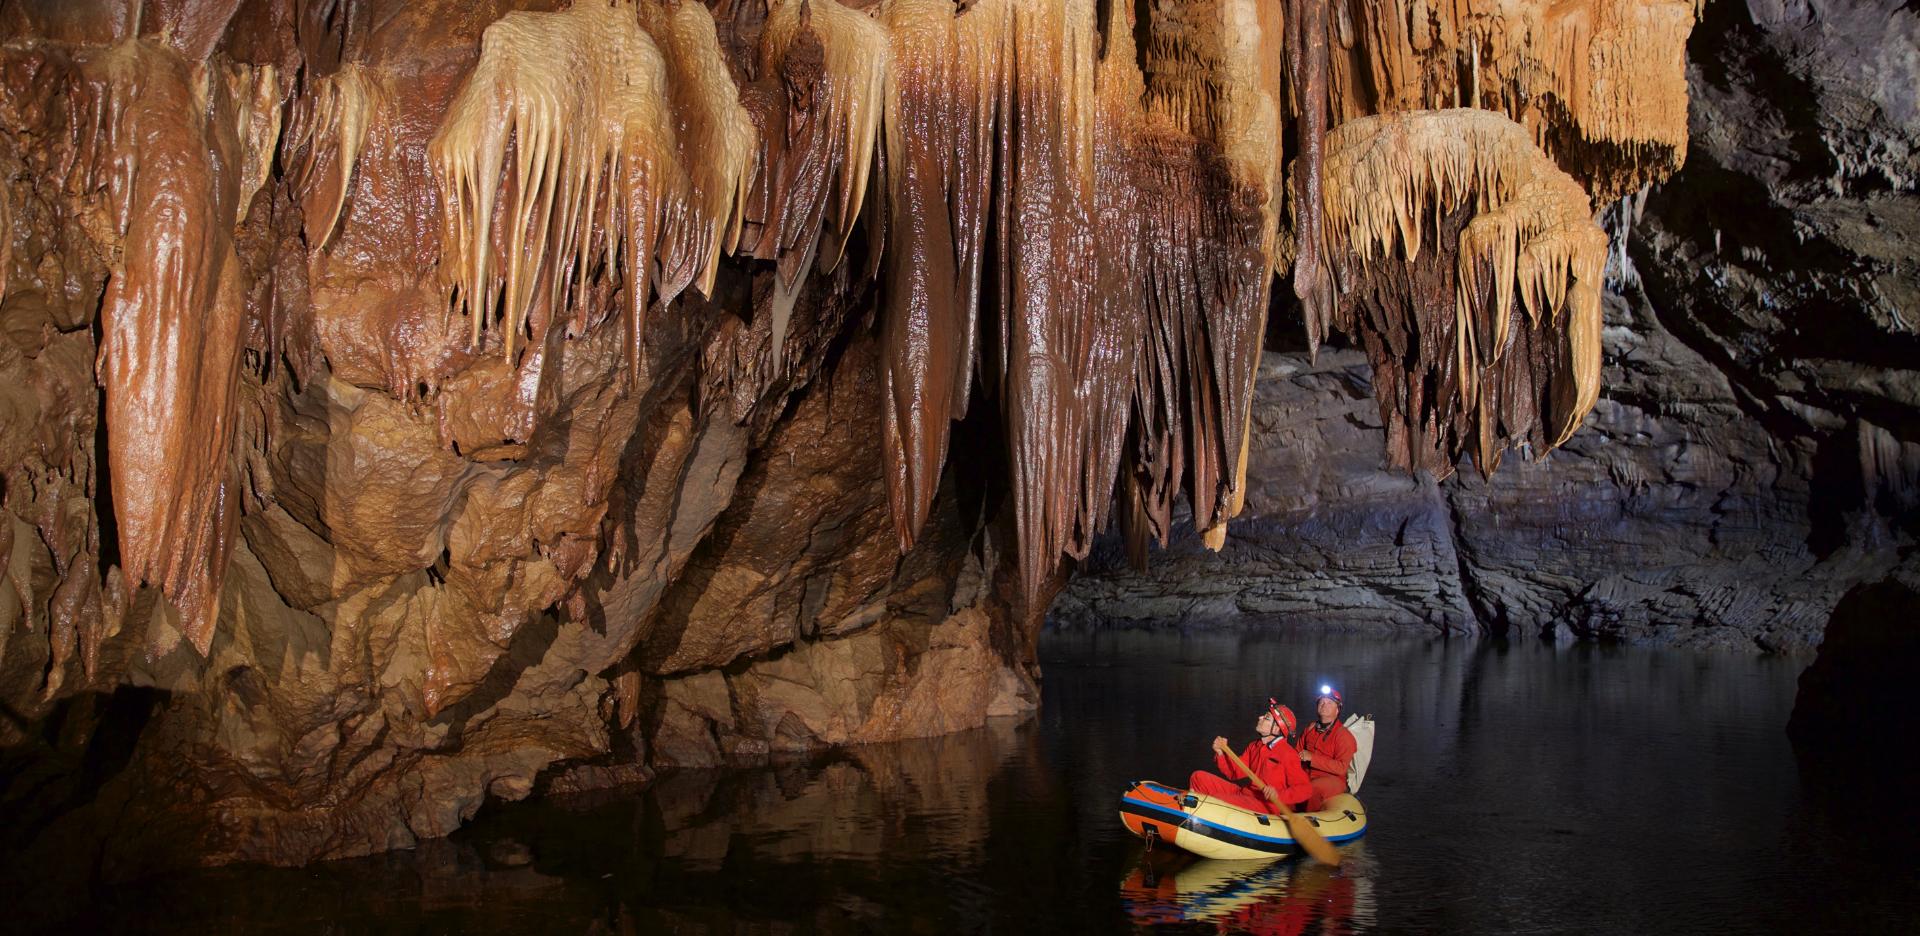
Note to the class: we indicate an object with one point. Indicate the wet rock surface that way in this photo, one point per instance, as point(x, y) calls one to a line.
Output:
point(414, 405)
point(298, 561)
point(1752, 457)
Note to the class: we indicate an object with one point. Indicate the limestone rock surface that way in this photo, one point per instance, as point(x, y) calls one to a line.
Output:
point(1755, 451)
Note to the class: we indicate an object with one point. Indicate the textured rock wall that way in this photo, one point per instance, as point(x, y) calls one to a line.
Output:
point(414, 403)
point(439, 560)
point(1755, 452)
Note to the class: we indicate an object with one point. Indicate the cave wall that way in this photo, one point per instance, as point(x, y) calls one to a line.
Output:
point(439, 559)
point(1754, 454)
point(411, 404)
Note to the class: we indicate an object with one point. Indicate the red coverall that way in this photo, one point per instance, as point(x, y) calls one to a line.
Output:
point(1332, 750)
point(1276, 762)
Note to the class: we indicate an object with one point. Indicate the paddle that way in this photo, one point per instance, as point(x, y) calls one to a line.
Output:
point(1302, 827)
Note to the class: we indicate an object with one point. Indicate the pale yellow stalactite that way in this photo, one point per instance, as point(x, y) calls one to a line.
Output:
point(581, 101)
point(1532, 235)
point(257, 94)
point(857, 55)
point(715, 136)
point(332, 123)
point(1608, 73)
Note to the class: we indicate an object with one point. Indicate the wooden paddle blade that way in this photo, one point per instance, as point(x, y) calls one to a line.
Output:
point(1312, 841)
point(1304, 833)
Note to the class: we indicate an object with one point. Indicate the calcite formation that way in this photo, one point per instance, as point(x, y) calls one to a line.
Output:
point(1396, 184)
point(497, 393)
point(1749, 477)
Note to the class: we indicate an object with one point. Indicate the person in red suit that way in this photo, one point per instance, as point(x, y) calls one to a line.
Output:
point(1270, 757)
point(1326, 749)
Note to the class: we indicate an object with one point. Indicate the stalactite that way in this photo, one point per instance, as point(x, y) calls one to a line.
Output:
point(1308, 55)
point(1601, 84)
point(1440, 219)
point(1107, 372)
point(1045, 195)
point(565, 121)
point(257, 95)
point(1208, 213)
point(714, 134)
point(1135, 214)
point(818, 104)
point(1136, 222)
point(327, 130)
point(942, 114)
point(172, 324)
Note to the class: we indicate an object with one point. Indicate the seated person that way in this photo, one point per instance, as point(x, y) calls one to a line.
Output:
point(1326, 748)
point(1270, 757)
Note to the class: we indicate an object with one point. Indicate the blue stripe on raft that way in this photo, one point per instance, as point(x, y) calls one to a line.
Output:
point(1189, 817)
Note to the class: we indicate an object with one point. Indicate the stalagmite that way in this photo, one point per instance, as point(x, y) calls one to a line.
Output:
point(1438, 219)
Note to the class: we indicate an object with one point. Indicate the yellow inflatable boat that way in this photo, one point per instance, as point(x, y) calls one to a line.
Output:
point(1214, 829)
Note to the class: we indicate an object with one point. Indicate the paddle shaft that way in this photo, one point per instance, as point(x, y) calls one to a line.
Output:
point(1309, 837)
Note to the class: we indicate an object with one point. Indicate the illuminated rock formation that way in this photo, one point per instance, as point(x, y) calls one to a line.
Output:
point(488, 393)
point(1752, 457)
point(1435, 292)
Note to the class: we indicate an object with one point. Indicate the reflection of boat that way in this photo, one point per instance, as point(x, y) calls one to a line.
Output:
point(1211, 828)
point(1279, 897)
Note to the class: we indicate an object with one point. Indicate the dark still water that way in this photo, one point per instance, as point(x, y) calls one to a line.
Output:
point(1524, 788)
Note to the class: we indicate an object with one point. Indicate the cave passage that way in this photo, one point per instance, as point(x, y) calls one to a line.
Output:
point(1516, 787)
point(414, 407)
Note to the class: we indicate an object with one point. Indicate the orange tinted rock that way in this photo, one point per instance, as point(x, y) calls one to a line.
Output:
point(582, 379)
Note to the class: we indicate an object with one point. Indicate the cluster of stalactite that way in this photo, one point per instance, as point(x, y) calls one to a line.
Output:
point(1117, 228)
point(1600, 85)
point(1075, 211)
point(570, 131)
point(1435, 222)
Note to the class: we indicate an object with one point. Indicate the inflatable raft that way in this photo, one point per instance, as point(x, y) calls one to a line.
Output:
point(1212, 828)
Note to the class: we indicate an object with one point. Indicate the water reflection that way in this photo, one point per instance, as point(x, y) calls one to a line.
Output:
point(1280, 898)
point(1528, 788)
point(926, 798)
